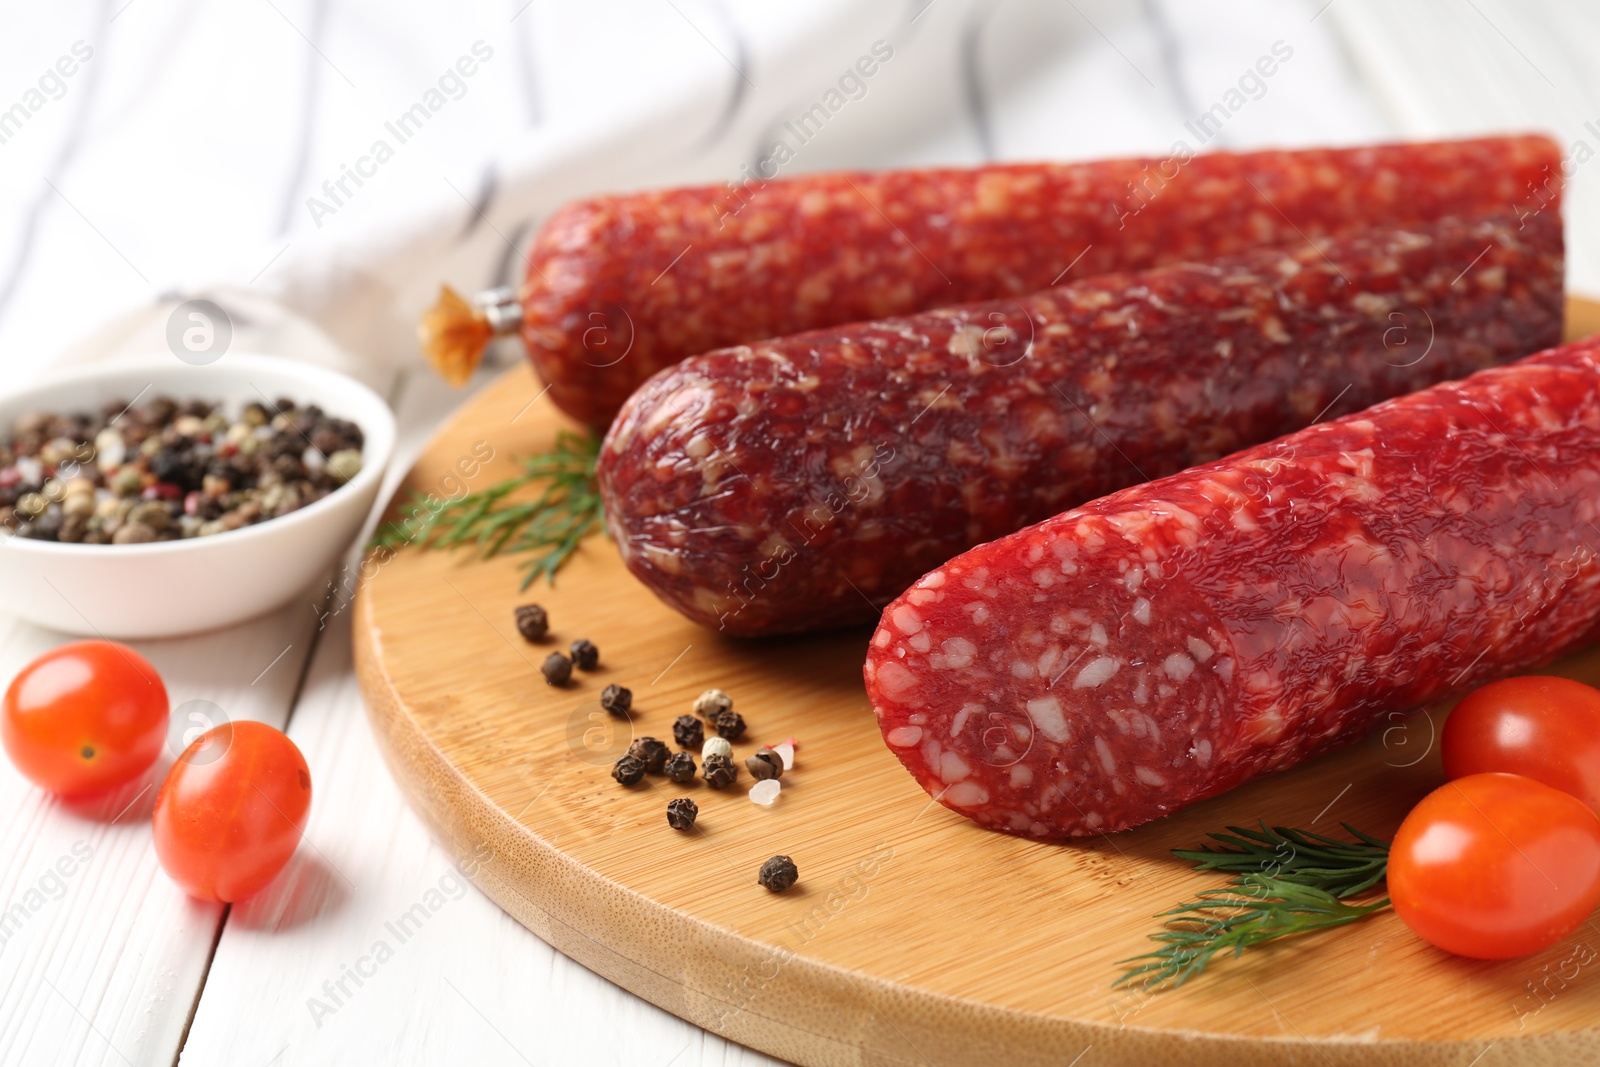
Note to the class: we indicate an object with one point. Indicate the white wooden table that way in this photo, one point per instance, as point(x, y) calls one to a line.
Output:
point(192, 150)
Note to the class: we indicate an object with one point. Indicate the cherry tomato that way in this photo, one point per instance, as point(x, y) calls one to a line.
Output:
point(1539, 727)
point(85, 717)
point(1495, 865)
point(231, 811)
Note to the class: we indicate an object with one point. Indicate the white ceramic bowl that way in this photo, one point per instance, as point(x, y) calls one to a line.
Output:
point(177, 587)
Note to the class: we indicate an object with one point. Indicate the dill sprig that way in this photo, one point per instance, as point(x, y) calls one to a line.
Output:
point(1343, 868)
point(498, 519)
point(1285, 882)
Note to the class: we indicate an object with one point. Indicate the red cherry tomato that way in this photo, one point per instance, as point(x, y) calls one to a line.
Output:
point(231, 811)
point(1496, 865)
point(85, 717)
point(1543, 728)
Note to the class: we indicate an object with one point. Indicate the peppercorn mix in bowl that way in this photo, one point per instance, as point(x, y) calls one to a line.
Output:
point(161, 469)
point(148, 497)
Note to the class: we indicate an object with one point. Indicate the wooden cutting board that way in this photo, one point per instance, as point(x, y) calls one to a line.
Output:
point(913, 936)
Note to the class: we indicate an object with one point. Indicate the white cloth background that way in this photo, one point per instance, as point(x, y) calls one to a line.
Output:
point(179, 159)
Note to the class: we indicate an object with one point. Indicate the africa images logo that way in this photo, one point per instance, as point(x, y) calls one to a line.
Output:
point(199, 332)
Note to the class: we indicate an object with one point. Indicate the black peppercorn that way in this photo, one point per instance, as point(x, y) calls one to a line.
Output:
point(688, 731)
point(290, 468)
point(778, 873)
point(178, 467)
point(680, 768)
point(765, 764)
point(617, 700)
point(557, 669)
point(628, 770)
point(160, 410)
point(652, 753)
point(585, 654)
point(532, 622)
point(719, 772)
point(681, 813)
point(729, 724)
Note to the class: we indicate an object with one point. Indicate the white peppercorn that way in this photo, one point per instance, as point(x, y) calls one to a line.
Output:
point(712, 701)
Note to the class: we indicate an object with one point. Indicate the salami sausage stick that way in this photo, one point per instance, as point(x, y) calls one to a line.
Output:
point(802, 483)
point(1170, 641)
point(619, 287)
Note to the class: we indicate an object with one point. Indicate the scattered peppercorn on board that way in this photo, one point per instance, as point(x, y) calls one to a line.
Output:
point(912, 936)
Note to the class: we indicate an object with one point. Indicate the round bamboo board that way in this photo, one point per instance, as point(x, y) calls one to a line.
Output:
point(913, 936)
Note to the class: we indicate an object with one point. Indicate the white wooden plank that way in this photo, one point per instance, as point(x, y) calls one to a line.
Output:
point(104, 956)
point(469, 986)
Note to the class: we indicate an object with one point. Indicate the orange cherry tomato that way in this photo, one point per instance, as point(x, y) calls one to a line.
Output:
point(1496, 865)
point(232, 810)
point(1539, 727)
point(85, 717)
